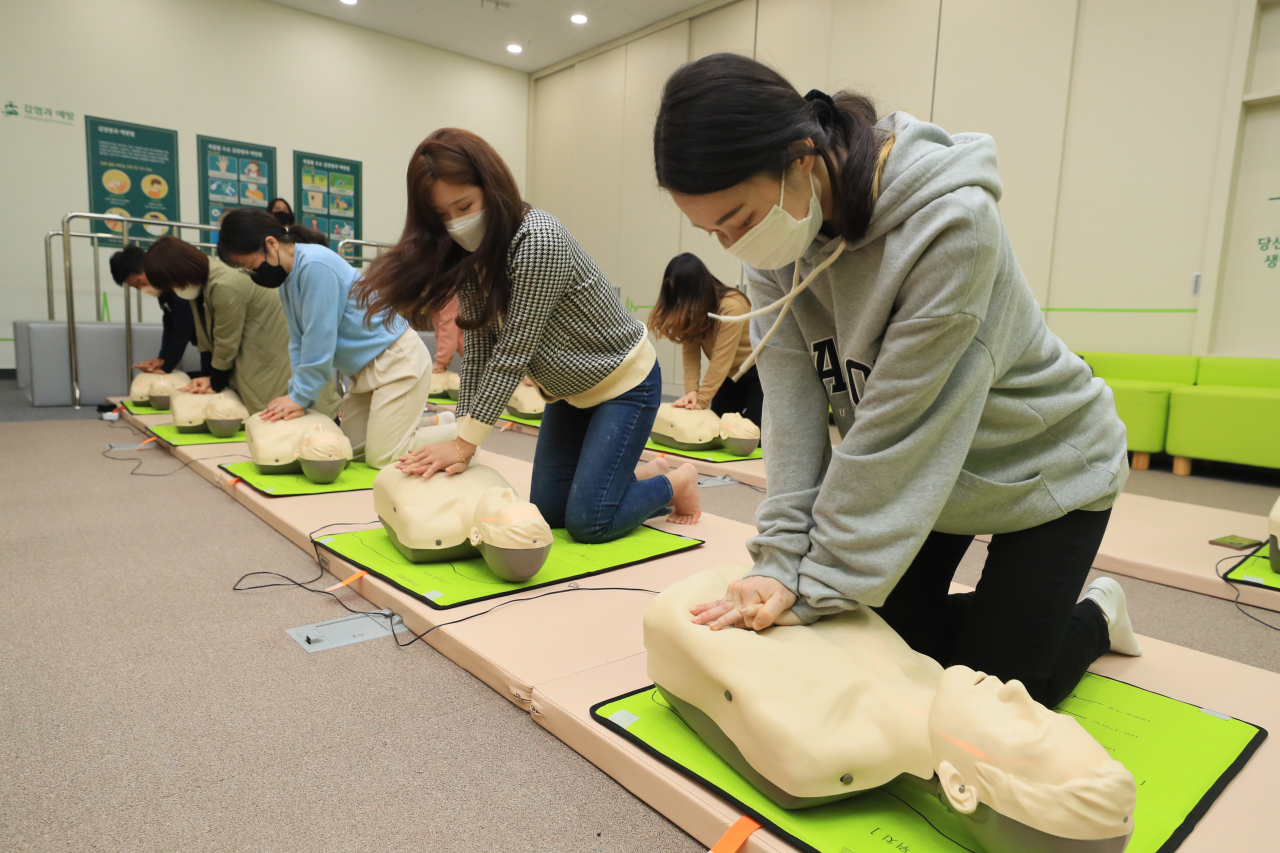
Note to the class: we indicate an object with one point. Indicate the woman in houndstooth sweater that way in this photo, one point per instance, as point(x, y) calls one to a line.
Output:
point(532, 302)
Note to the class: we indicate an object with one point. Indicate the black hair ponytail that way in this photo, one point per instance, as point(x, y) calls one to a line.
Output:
point(726, 118)
point(244, 230)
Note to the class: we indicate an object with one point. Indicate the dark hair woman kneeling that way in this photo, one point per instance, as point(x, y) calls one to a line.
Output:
point(388, 364)
point(891, 293)
point(687, 299)
point(532, 302)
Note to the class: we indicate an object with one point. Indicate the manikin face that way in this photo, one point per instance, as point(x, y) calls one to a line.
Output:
point(977, 718)
point(453, 201)
point(731, 213)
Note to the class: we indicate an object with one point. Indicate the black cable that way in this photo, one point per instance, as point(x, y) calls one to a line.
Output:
point(1217, 569)
point(392, 617)
point(133, 472)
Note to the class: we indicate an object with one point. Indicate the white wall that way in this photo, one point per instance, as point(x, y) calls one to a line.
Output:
point(240, 69)
point(1107, 117)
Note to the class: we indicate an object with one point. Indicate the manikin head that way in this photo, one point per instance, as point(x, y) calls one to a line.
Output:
point(996, 745)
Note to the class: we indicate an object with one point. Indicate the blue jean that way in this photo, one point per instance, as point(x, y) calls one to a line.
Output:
point(584, 468)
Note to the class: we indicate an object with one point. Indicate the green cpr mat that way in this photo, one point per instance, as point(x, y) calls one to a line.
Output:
point(445, 585)
point(1255, 570)
point(140, 409)
point(1181, 756)
point(355, 477)
point(442, 400)
point(169, 434)
point(702, 455)
point(516, 419)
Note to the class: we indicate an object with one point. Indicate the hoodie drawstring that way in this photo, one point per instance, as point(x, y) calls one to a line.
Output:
point(797, 286)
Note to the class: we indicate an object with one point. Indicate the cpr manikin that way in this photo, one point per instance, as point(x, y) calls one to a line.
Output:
point(527, 402)
point(814, 713)
point(140, 387)
point(447, 517)
point(221, 414)
point(686, 429)
point(277, 447)
point(442, 382)
point(738, 434)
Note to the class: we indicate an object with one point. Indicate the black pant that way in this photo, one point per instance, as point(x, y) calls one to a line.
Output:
point(745, 397)
point(1022, 621)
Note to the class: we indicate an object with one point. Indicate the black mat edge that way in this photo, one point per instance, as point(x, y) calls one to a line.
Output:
point(1175, 840)
point(223, 467)
point(1226, 576)
point(318, 544)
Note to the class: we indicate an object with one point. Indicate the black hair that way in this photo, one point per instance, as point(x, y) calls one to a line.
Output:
point(689, 292)
point(284, 216)
point(245, 230)
point(130, 260)
point(726, 118)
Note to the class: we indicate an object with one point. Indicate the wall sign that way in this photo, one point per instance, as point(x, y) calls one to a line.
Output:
point(133, 171)
point(327, 196)
point(233, 174)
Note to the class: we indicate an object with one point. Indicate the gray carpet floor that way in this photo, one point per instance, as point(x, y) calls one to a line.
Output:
point(145, 706)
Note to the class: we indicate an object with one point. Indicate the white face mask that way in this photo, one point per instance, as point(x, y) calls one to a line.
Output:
point(467, 231)
point(149, 290)
point(187, 291)
point(779, 238)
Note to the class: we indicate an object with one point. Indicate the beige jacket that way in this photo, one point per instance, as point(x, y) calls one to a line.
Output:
point(726, 350)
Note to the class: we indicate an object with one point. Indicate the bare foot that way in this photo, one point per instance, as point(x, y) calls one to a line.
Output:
point(686, 504)
point(653, 468)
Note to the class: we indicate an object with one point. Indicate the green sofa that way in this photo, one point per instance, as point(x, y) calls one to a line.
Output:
point(1231, 414)
point(1142, 385)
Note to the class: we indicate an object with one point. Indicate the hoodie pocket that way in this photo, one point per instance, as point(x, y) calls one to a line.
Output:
point(978, 505)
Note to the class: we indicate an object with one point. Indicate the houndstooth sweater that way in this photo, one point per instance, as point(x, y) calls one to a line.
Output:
point(565, 327)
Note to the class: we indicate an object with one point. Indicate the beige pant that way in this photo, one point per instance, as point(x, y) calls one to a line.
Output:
point(384, 404)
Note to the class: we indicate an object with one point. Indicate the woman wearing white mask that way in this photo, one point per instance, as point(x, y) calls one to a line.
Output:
point(532, 302)
point(885, 287)
point(240, 328)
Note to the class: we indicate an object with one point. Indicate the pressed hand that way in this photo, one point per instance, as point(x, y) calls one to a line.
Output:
point(688, 401)
point(282, 409)
point(151, 365)
point(451, 457)
point(754, 603)
point(199, 385)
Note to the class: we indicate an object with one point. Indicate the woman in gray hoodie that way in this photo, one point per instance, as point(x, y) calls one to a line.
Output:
point(885, 287)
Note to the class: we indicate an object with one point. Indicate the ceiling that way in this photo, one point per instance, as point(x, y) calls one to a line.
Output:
point(484, 28)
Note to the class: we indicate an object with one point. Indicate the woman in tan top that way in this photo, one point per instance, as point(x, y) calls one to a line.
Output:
point(688, 294)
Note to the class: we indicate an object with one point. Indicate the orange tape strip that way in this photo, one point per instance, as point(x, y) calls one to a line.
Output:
point(148, 441)
point(354, 577)
point(733, 840)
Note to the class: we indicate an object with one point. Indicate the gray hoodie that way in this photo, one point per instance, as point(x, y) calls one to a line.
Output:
point(960, 411)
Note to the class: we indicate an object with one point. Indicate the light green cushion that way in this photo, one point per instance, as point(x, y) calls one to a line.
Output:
point(1224, 423)
point(1144, 409)
point(1246, 372)
point(1180, 369)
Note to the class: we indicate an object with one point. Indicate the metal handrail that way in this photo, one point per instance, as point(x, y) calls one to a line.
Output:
point(342, 244)
point(67, 234)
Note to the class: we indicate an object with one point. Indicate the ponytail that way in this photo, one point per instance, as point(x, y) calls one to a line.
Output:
point(725, 119)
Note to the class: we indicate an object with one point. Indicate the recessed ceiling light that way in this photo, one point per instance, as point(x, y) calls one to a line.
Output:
point(578, 19)
point(514, 48)
point(349, 2)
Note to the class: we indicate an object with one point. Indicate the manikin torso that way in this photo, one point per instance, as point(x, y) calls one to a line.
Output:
point(845, 705)
point(279, 442)
point(687, 426)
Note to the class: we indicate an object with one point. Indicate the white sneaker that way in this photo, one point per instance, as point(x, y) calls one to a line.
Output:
point(1110, 598)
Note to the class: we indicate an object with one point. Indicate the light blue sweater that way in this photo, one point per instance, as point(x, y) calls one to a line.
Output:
point(326, 328)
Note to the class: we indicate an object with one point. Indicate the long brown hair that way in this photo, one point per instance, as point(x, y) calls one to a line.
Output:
point(174, 263)
point(426, 269)
point(689, 292)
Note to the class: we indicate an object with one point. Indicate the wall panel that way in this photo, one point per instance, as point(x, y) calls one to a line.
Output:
point(886, 51)
point(553, 148)
point(1026, 111)
point(600, 86)
point(792, 37)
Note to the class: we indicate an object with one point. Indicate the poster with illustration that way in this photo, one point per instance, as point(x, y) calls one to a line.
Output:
point(316, 223)
point(238, 174)
point(133, 171)
point(330, 187)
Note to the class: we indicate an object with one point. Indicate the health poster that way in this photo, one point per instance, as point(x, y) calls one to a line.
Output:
point(327, 196)
point(133, 171)
point(233, 174)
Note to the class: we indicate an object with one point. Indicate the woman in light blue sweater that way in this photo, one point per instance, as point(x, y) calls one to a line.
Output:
point(388, 364)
